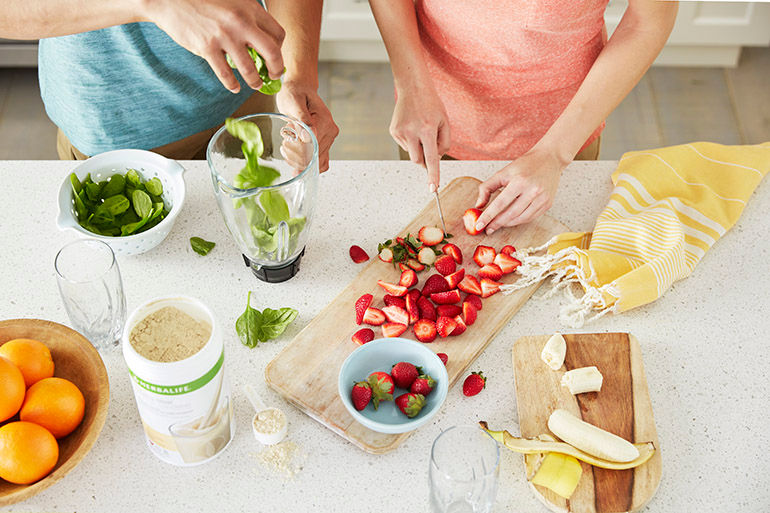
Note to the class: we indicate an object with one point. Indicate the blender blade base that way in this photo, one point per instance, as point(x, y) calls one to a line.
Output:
point(275, 274)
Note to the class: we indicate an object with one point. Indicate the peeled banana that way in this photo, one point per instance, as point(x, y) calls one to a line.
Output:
point(591, 439)
point(554, 351)
point(545, 444)
point(582, 380)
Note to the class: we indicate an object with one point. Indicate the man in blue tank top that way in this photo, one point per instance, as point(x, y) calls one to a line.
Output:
point(152, 74)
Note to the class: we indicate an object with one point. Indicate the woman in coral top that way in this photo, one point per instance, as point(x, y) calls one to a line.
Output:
point(530, 81)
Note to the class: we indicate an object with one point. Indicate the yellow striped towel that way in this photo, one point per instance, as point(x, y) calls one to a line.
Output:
point(668, 207)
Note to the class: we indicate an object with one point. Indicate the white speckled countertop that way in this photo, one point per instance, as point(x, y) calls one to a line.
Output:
point(705, 347)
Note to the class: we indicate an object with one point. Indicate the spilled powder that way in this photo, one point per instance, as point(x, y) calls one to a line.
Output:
point(284, 458)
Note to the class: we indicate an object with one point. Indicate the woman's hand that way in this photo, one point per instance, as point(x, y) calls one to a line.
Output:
point(528, 185)
point(303, 103)
point(420, 126)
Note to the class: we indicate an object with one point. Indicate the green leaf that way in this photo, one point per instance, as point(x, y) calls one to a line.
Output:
point(275, 206)
point(75, 182)
point(270, 86)
point(154, 186)
point(116, 205)
point(133, 178)
point(93, 191)
point(254, 326)
point(116, 185)
point(201, 246)
point(142, 203)
point(264, 240)
point(248, 133)
point(131, 228)
point(101, 216)
point(80, 207)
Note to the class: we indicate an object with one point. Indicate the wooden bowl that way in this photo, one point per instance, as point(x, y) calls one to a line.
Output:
point(74, 359)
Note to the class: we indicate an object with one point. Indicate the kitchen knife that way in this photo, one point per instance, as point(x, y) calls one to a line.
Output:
point(440, 213)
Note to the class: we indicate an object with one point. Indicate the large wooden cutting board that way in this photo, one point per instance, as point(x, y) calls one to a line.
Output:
point(306, 371)
point(622, 406)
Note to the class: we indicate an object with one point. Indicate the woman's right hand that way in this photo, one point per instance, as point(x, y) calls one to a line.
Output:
point(420, 126)
point(213, 28)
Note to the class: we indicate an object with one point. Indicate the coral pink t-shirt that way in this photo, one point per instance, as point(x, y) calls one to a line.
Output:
point(505, 70)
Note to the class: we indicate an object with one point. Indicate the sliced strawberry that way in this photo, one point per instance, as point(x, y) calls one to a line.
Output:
point(445, 264)
point(412, 252)
point(414, 294)
point(374, 316)
point(427, 310)
point(395, 290)
point(474, 300)
point(446, 298)
point(411, 307)
point(430, 235)
point(358, 254)
point(415, 264)
point(507, 263)
point(386, 255)
point(469, 313)
point(401, 241)
point(408, 278)
point(445, 326)
point(507, 250)
point(460, 328)
point(448, 310)
point(453, 251)
point(484, 255)
point(470, 284)
point(470, 218)
point(426, 256)
point(362, 304)
point(403, 267)
point(443, 357)
point(491, 272)
point(394, 301)
point(361, 395)
point(425, 330)
point(489, 287)
point(434, 283)
point(393, 329)
point(396, 314)
point(363, 336)
point(455, 278)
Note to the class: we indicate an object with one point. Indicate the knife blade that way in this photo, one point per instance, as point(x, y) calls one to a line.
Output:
point(440, 213)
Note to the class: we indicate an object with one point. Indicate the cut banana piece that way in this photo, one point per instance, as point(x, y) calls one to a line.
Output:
point(554, 351)
point(591, 439)
point(582, 380)
point(559, 473)
point(545, 443)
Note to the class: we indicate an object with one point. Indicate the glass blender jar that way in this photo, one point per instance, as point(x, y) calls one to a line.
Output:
point(266, 181)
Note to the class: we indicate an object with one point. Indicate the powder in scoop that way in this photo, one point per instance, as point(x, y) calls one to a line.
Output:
point(269, 421)
point(169, 335)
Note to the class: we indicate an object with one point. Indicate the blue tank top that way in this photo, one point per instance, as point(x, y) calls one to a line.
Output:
point(130, 86)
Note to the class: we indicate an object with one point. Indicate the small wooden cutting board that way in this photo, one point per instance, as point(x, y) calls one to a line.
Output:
point(306, 371)
point(622, 407)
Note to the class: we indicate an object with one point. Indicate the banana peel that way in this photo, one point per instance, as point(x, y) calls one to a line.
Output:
point(556, 471)
point(547, 444)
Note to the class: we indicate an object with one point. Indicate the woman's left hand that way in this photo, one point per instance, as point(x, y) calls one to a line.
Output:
point(528, 185)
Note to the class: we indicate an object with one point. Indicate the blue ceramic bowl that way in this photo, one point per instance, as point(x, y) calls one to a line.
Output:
point(380, 355)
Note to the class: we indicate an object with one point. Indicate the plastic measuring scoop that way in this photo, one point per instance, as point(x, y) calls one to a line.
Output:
point(269, 424)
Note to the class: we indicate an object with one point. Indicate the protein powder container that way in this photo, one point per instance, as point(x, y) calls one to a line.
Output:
point(175, 355)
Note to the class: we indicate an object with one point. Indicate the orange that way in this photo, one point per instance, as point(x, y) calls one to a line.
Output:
point(11, 389)
point(28, 452)
point(31, 357)
point(54, 403)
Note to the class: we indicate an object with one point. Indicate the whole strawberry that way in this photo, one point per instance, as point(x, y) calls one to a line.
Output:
point(474, 384)
point(423, 385)
point(404, 374)
point(410, 404)
point(382, 387)
point(361, 395)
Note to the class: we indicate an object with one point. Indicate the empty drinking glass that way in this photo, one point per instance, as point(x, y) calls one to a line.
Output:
point(92, 291)
point(464, 465)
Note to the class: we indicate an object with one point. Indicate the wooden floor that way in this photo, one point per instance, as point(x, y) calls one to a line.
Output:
point(669, 106)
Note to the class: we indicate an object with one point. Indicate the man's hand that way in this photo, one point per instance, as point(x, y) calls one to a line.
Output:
point(214, 28)
point(528, 185)
point(420, 126)
point(303, 103)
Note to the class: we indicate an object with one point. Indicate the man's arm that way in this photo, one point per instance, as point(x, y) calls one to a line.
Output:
point(530, 182)
point(299, 93)
point(208, 29)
